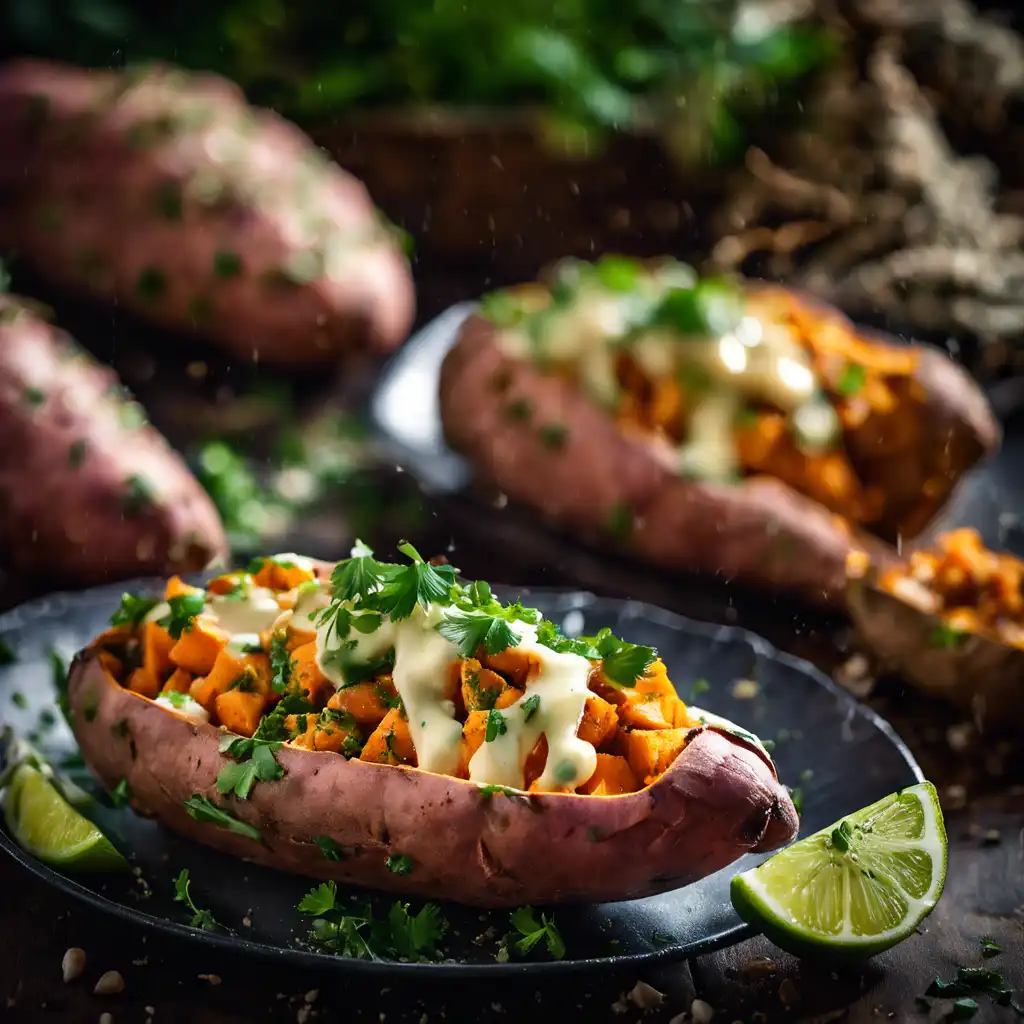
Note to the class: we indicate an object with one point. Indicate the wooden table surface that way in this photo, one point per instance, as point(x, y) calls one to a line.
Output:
point(167, 980)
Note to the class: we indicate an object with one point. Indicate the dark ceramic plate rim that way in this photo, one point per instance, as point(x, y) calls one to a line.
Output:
point(306, 957)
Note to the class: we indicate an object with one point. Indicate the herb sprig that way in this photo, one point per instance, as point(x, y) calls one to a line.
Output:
point(365, 590)
point(201, 918)
point(528, 932)
point(252, 761)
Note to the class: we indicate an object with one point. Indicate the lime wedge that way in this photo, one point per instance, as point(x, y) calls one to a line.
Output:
point(855, 888)
point(47, 826)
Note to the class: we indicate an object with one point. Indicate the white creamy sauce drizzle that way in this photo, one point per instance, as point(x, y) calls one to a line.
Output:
point(756, 361)
point(312, 600)
point(290, 558)
point(561, 685)
point(184, 707)
point(421, 674)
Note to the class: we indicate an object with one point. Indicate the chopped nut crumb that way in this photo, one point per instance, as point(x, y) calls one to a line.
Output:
point(789, 994)
point(745, 689)
point(645, 996)
point(110, 984)
point(701, 1012)
point(312, 995)
point(73, 964)
point(106, 1018)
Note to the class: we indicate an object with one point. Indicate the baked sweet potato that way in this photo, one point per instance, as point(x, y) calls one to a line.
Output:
point(950, 620)
point(88, 490)
point(736, 431)
point(530, 810)
point(168, 194)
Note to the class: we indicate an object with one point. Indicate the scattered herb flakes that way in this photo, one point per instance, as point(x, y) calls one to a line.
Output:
point(90, 706)
point(399, 864)
point(797, 796)
point(200, 309)
point(852, 380)
point(528, 932)
point(496, 725)
point(620, 521)
point(76, 453)
point(965, 1008)
point(203, 810)
point(841, 836)
point(7, 655)
point(168, 200)
point(183, 611)
point(34, 397)
point(518, 410)
point(945, 637)
point(151, 284)
point(18, 700)
point(254, 762)
point(699, 686)
point(227, 264)
point(989, 948)
point(200, 918)
point(490, 789)
point(554, 436)
point(137, 497)
point(328, 848)
point(121, 793)
point(530, 706)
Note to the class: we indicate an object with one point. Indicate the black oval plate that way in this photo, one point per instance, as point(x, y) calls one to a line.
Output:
point(840, 755)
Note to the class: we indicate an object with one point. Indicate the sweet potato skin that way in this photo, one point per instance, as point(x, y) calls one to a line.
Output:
point(113, 176)
point(719, 800)
point(71, 507)
point(613, 487)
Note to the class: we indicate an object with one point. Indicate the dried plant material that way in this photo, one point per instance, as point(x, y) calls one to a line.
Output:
point(870, 206)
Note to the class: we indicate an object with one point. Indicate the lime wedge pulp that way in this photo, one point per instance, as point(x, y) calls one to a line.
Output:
point(855, 888)
point(44, 824)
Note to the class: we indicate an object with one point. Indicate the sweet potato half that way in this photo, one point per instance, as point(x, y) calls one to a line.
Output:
point(167, 193)
point(911, 424)
point(675, 795)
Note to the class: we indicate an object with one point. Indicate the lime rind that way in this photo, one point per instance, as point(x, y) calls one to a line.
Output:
point(45, 825)
point(817, 899)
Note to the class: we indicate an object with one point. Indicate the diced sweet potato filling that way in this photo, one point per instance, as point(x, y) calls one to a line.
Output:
point(968, 587)
point(637, 731)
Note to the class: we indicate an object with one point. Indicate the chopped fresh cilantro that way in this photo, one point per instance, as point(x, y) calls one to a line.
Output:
point(518, 410)
point(489, 790)
point(7, 655)
point(34, 396)
point(419, 583)
point(529, 931)
point(59, 677)
point(227, 264)
point(399, 864)
point(18, 700)
point(328, 847)
point(138, 496)
point(496, 725)
point(176, 699)
point(280, 663)
point(797, 796)
point(530, 706)
point(203, 810)
point(964, 1008)
point(133, 610)
point(852, 380)
point(121, 793)
point(622, 662)
point(502, 309)
point(945, 636)
point(990, 948)
point(358, 577)
point(319, 900)
point(709, 309)
point(253, 762)
point(473, 630)
point(200, 918)
point(554, 436)
point(841, 837)
point(617, 273)
point(151, 284)
point(183, 611)
point(620, 521)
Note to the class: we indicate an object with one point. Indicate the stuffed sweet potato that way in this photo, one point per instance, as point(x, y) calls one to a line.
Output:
point(167, 193)
point(89, 491)
point(949, 619)
point(739, 432)
point(338, 724)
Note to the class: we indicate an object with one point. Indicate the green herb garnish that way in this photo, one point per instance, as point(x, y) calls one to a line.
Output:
point(496, 725)
point(530, 706)
point(133, 610)
point(204, 810)
point(200, 918)
point(529, 932)
point(253, 761)
point(121, 793)
point(183, 611)
point(329, 848)
point(399, 864)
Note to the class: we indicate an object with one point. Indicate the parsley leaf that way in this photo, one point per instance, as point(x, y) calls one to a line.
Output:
point(204, 810)
point(356, 578)
point(7, 655)
point(490, 789)
point(623, 663)
point(253, 762)
point(200, 918)
point(530, 932)
point(530, 706)
point(946, 637)
point(329, 848)
point(415, 934)
point(121, 793)
point(496, 725)
point(184, 609)
point(990, 948)
point(419, 583)
point(399, 863)
point(319, 900)
point(473, 630)
point(133, 610)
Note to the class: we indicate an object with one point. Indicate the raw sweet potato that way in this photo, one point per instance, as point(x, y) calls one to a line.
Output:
point(166, 193)
point(88, 490)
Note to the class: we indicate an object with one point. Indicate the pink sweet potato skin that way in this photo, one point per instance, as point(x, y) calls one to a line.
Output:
point(167, 193)
point(87, 492)
point(760, 532)
point(719, 800)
